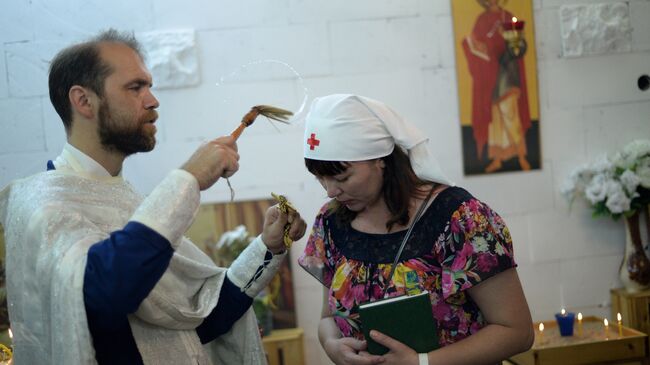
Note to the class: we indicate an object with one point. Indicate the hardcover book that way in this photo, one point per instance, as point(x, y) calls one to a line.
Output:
point(406, 318)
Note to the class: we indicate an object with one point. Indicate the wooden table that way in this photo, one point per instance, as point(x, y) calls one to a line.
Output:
point(591, 345)
point(284, 347)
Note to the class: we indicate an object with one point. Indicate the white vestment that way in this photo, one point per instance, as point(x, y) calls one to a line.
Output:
point(52, 218)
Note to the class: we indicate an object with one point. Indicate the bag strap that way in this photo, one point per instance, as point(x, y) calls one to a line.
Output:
point(406, 237)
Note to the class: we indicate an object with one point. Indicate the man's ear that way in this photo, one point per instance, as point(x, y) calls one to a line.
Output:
point(82, 101)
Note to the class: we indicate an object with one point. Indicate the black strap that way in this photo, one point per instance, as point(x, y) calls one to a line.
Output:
point(406, 237)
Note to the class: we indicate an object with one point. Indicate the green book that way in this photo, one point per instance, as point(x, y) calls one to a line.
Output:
point(408, 319)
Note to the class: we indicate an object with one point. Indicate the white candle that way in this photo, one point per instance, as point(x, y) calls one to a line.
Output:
point(619, 318)
point(579, 324)
point(606, 323)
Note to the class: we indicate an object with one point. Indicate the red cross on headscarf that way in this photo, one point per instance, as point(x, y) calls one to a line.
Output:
point(312, 141)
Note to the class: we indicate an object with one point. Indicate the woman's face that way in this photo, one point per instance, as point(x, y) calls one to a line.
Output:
point(359, 187)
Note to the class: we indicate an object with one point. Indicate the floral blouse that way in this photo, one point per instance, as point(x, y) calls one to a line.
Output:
point(457, 243)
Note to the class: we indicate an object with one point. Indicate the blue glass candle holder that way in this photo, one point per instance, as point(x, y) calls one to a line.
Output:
point(565, 323)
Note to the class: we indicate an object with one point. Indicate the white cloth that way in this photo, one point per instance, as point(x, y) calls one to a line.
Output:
point(73, 159)
point(251, 264)
point(51, 220)
point(344, 127)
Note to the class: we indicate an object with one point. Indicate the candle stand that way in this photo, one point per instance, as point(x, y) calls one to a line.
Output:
point(595, 346)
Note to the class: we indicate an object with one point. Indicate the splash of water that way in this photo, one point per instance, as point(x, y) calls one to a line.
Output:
point(295, 75)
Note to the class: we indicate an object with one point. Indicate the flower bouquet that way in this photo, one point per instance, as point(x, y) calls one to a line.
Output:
point(230, 245)
point(616, 186)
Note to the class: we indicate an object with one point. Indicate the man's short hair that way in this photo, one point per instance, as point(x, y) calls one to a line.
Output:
point(81, 64)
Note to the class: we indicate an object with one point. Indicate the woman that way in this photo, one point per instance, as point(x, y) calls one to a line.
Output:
point(377, 171)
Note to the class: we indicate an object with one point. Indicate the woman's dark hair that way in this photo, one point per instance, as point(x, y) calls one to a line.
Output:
point(399, 186)
point(82, 65)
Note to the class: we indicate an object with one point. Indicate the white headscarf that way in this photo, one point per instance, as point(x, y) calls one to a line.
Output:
point(344, 127)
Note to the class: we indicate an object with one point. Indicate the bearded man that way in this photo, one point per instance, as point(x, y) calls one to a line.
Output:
point(98, 274)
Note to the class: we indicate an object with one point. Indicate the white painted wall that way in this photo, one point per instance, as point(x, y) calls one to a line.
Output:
point(396, 51)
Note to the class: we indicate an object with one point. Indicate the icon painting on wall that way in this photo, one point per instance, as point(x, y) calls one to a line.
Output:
point(497, 85)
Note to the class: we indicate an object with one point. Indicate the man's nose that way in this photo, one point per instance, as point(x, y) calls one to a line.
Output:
point(150, 101)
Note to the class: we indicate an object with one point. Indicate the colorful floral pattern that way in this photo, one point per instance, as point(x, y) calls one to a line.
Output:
point(457, 252)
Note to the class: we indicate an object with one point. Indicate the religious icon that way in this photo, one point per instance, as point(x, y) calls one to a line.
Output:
point(497, 85)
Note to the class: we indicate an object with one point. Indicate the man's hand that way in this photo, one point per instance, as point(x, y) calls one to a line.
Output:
point(273, 232)
point(215, 159)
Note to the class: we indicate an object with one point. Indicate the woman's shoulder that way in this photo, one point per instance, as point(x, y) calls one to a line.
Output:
point(455, 200)
point(458, 203)
point(453, 196)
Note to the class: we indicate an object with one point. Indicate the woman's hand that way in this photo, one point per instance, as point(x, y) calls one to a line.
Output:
point(350, 351)
point(398, 353)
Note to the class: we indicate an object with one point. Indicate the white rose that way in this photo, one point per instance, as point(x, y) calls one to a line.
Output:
point(230, 237)
point(617, 200)
point(596, 191)
point(622, 160)
point(637, 149)
point(643, 172)
point(630, 181)
point(582, 176)
point(568, 189)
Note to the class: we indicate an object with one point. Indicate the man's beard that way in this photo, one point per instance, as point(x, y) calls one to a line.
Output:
point(117, 132)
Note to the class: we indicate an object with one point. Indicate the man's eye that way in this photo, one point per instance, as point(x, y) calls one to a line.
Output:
point(341, 179)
